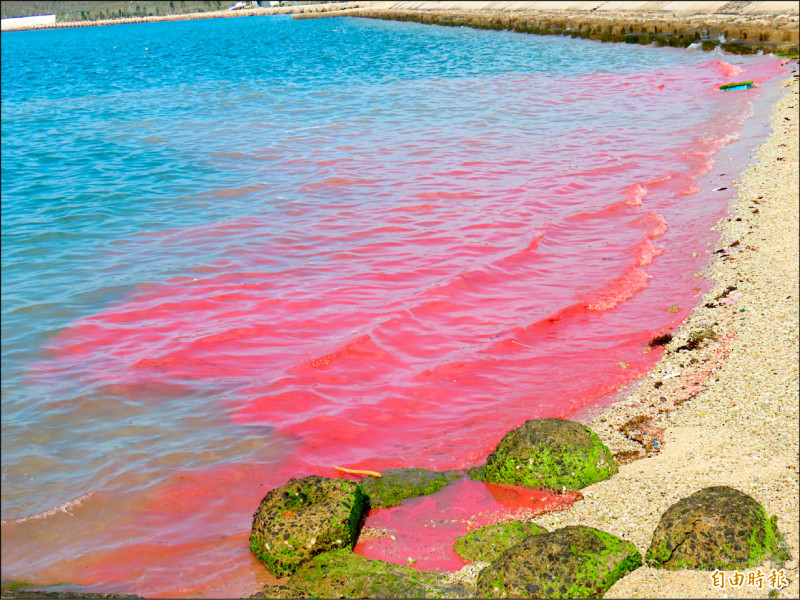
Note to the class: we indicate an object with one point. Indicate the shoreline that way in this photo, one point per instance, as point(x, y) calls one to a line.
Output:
point(769, 27)
point(689, 402)
point(721, 409)
point(725, 411)
point(749, 28)
point(217, 14)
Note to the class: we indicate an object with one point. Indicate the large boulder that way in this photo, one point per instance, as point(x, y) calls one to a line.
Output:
point(551, 454)
point(715, 528)
point(343, 574)
point(487, 543)
point(395, 485)
point(304, 517)
point(573, 562)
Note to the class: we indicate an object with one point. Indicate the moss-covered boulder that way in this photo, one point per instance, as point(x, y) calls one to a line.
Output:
point(280, 591)
point(304, 517)
point(715, 528)
point(487, 543)
point(395, 485)
point(573, 562)
point(343, 574)
point(551, 454)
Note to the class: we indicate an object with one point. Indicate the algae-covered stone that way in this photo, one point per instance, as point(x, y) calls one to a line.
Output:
point(552, 454)
point(573, 562)
point(22, 589)
point(487, 543)
point(715, 528)
point(343, 574)
point(395, 485)
point(304, 517)
point(280, 591)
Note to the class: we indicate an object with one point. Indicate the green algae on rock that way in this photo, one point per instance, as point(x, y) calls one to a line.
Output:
point(342, 574)
point(280, 591)
point(23, 589)
point(487, 543)
point(304, 517)
point(572, 562)
point(395, 485)
point(551, 454)
point(715, 528)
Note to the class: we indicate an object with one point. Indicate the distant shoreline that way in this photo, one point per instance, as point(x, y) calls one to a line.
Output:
point(217, 14)
point(768, 27)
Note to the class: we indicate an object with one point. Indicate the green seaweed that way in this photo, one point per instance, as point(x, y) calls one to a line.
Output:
point(574, 562)
point(396, 485)
point(566, 466)
point(342, 574)
point(487, 543)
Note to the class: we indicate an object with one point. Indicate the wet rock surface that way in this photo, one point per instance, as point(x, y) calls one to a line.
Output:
point(550, 454)
point(303, 518)
point(396, 485)
point(573, 562)
point(280, 591)
point(487, 543)
point(715, 528)
point(342, 574)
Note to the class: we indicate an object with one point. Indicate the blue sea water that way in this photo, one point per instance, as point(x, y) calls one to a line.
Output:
point(116, 141)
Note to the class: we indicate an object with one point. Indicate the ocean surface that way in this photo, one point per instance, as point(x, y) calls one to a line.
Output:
point(237, 251)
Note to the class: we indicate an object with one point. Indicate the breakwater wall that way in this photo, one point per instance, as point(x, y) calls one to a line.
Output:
point(740, 28)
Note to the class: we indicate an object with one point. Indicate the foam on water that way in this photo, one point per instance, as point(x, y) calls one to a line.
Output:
point(237, 251)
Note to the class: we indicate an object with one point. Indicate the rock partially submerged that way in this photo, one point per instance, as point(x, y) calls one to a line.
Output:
point(22, 589)
point(303, 518)
point(551, 454)
point(280, 591)
point(395, 485)
point(573, 562)
point(342, 574)
point(487, 543)
point(715, 528)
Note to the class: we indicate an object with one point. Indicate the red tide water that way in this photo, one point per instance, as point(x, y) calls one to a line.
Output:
point(425, 529)
point(407, 319)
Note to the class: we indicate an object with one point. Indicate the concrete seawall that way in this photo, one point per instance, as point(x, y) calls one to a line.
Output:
point(738, 27)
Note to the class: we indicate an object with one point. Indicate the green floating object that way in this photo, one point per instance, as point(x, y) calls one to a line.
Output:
point(744, 85)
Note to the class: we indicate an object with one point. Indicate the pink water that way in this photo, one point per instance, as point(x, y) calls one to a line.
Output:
point(437, 293)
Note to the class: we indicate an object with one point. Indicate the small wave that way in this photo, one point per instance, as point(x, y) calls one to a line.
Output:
point(727, 69)
point(655, 224)
point(635, 194)
point(61, 508)
point(622, 289)
point(646, 252)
